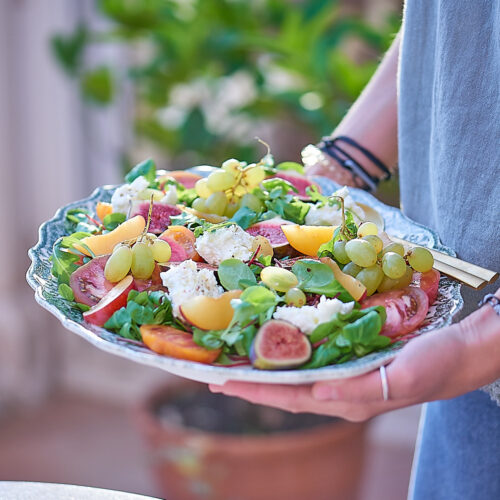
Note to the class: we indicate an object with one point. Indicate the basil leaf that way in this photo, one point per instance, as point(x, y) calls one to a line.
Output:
point(146, 168)
point(312, 274)
point(281, 185)
point(291, 165)
point(245, 217)
point(232, 271)
point(66, 292)
point(63, 263)
point(113, 220)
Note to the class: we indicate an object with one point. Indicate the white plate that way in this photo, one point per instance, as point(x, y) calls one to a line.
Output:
point(448, 303)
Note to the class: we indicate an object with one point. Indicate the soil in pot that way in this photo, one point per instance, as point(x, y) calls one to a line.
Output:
point(213, 447)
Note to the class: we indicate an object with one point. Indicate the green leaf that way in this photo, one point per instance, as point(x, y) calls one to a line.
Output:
point(232, 272)
point(282, 186)
point(63, 263)
point(312, 274)
point(316, 277)
point(66, 292)
point(245, 217)
point(146, 168)
point(68, 50)
point(208, 339)
point(97, 85)
point(113, 220)
point(291, 165)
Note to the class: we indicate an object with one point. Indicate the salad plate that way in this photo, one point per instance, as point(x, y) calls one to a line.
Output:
point(440, 314)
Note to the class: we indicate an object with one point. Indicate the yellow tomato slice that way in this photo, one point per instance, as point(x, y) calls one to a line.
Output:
point(308, 239)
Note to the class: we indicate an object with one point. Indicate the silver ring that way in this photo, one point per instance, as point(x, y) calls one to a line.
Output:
point(385, 383)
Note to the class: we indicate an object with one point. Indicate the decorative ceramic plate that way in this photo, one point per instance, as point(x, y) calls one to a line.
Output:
point(448, 303)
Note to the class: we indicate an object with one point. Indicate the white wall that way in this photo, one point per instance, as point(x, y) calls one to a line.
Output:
point(52, 150)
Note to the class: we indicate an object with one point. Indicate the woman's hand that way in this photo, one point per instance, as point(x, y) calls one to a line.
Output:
point(439, 365)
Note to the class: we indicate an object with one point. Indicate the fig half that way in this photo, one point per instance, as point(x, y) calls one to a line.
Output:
point(279, 345)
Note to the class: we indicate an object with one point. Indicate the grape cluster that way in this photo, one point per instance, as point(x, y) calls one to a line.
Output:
point(138, 256)
point(225, 190)
point(380, 268)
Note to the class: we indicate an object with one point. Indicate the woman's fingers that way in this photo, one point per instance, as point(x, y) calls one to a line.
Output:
point(363, 389)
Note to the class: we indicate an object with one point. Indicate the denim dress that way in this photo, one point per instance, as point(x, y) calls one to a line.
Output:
point(449, 160)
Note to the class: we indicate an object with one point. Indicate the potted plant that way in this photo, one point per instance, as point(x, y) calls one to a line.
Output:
point(212, 447)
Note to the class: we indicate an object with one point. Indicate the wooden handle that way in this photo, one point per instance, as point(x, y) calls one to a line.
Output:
point(474, 276)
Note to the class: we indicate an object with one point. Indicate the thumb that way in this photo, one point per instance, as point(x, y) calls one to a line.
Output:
point(363, 389)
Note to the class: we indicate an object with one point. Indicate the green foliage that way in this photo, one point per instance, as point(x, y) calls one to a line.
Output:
point(211, 72)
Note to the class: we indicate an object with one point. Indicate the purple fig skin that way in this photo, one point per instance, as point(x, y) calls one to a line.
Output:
point(271, 229)
point(279, 345)
point(160, 215)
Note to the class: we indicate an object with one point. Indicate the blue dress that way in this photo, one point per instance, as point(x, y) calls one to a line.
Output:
point(449, 160)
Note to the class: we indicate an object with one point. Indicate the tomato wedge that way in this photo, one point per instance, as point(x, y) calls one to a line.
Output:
point(175, 343)
point(88, 282)
point(429, 283)
point(406, 309)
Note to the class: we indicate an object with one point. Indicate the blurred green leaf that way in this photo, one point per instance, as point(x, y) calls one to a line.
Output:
point(68, 49)
point(97, 85)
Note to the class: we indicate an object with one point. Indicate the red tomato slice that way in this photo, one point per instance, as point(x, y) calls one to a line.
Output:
point(428, 282)
point(169, 341)
point(88, 282)
point(406, 309)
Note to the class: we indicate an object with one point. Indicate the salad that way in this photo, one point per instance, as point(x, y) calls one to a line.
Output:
point(249, 265)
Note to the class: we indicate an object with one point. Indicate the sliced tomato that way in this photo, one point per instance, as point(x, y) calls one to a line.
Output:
point(428, 282)
point(151, 284)
point(406, 309)
point(88, 282)
point(175, 343)
point(184, 237)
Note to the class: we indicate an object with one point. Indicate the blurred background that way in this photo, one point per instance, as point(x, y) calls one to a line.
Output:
point(87, 89)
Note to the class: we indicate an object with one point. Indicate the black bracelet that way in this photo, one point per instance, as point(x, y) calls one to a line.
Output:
point(491, 300)
point(330, 147)
point(381, 165)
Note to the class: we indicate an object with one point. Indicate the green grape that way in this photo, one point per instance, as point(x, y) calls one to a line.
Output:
point(232, 166)
point(231, 208)
point(254, 175)
point(216, 203)
point(146, 194)
point(351, 269)
point(394, 247)
point(371, 277)
point(295, 297)
point(143, 262)
point(361, 252)
point(278, 279)
point(367, 228)
point(375, 241)
point(420, 259)
point(252, 202)
point(406, 279)
point(240, 190)
point(118, 264)
point(201, 188)
point(393, 265)
point(339, 252)
point(387, 284)
point(220, 180)
point(161, 251)
point(199, 204)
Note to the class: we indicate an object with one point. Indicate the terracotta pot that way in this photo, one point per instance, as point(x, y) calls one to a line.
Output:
point(320, 463)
